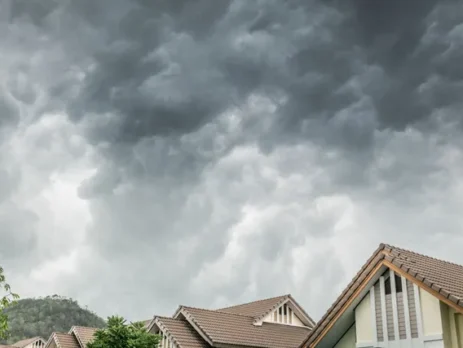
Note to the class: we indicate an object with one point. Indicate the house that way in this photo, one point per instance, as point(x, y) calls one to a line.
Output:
point(398, 299)
point(278, 322)
point(77, 337)
point(34, 342)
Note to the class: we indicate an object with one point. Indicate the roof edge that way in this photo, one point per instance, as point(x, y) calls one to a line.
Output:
point(73, 331)
point(190, 318)
point(158, 321)
point(51, 338)
point(364, 271)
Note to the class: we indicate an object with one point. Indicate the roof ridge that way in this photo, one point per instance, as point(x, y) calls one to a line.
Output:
point(256, 301)
point(218, 311)
point(170, 318)
point(392, 247)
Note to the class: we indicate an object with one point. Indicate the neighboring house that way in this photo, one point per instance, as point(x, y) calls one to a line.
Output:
point(77, 337)
point(34, 342)
point(398, 299)
point(278, 322)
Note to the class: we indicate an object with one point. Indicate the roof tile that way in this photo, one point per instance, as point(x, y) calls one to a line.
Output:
point(84, 334)
point(239, 330)
point(184, 334)
point(65, 340)
point(256, 308)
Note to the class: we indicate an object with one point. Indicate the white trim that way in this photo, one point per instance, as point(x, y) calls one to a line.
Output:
point(150, 325)
point(408, 328)
point(438, 337)
point(295, 308)
point(383, 309)
point(365, 344)
point(373, 314)
point(395, 314)
point(419, 318)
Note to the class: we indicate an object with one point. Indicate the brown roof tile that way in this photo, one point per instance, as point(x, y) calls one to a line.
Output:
point(256, 308)
point(442, 276)
point(259, 309)
point(184, 334)
point(235, 329)
point(84, 334)
point(65, 340)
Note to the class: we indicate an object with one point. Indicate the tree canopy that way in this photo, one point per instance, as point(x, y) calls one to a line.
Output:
point(7, 300)
point(119, 334)
point(32, 317)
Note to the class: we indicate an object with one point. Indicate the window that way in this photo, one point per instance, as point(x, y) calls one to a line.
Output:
point(398, 284)
point(387, 286)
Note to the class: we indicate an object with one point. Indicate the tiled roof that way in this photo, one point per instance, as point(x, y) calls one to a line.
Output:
point(25, 342)
point(65, 340)
point(444, 277)
point(256, 308)
point(184, 334)
point(239, 330)
point(84, 334)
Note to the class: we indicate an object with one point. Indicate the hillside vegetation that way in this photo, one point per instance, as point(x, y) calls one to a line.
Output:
point(41, 316)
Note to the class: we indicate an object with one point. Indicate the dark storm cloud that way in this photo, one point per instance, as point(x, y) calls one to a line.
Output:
point(165, 92)
point(171, 68)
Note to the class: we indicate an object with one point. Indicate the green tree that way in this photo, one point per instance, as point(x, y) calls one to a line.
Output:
point(7, 300)
point(118, 334)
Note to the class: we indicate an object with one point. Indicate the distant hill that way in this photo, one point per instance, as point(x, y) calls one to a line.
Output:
point(32, 317)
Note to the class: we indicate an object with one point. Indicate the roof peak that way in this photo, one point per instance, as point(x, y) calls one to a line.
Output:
point(215, 311)
point(255, 302)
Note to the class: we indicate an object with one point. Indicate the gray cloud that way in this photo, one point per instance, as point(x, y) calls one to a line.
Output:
point(224, 151)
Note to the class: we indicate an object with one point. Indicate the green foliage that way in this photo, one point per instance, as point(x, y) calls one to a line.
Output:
point(118, 334)
point(40, 317)
point(9, 298)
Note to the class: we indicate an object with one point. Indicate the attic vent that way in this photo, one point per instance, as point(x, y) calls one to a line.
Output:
point(283, 315)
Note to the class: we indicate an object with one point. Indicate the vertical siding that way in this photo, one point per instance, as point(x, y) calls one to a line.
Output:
point(390, 318)
point(379, 318)
point(401, 315)
point(412, 309)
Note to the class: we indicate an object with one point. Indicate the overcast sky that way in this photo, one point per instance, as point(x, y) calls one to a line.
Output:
point(210, 152)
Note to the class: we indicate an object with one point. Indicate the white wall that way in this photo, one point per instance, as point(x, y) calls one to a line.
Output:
point(364, 321)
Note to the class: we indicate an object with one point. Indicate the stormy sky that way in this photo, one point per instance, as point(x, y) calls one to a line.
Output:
point(157, 153)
